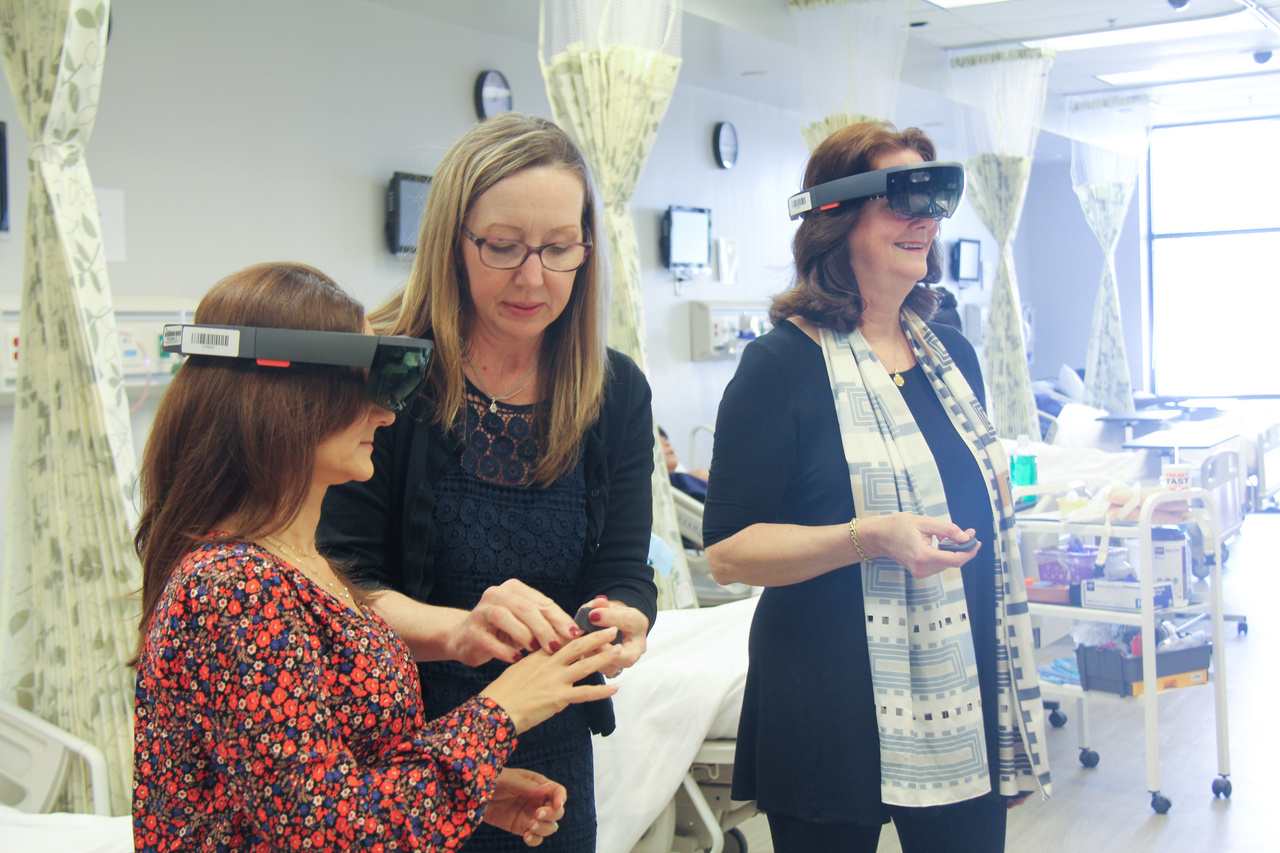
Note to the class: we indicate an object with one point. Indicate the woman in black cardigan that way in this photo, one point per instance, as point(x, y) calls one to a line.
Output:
point(518, 487)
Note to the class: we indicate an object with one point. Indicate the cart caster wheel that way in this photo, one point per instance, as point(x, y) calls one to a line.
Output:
point(735, 841)
point(1222, 787)
point(1057, 719)
point(1089, 758)
point(1160, 803)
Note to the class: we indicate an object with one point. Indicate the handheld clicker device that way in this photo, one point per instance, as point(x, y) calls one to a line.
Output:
point(583, 620)
point(397, 364)
point(961, 547)
point(929, 190)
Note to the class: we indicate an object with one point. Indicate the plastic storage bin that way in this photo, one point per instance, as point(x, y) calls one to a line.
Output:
point(1112, 672)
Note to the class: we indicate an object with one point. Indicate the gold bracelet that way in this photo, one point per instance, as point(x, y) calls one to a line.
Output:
point(853, 534)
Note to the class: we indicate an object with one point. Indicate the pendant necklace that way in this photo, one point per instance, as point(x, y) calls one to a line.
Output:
point(296, 554)
point(494, 398)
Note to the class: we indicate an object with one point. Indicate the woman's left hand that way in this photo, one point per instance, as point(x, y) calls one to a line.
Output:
point(527, 804)
point(632, 625)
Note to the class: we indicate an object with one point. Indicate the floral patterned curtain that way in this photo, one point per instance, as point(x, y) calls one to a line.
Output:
point(852, 60)
point(610, 69)
point(68, 625)
point(1108, 143)
point(1005, 91)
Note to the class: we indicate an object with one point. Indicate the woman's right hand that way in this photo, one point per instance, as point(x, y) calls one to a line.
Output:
point(908, 539)
point(543, 684)
point(510, 619)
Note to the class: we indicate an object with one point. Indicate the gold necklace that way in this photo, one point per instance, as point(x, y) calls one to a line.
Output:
point(344, 592)
point(493, 400)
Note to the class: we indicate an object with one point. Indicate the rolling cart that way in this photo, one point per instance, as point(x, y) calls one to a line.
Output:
point(1146, 619)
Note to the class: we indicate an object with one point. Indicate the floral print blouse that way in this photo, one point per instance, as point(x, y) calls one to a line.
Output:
point(272, 717)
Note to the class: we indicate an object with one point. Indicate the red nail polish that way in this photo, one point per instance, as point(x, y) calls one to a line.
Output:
point(596, 616)
point(555, 645)
point(534, 645)
point(575, 631)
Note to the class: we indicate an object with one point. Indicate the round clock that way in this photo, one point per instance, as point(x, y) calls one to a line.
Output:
point(493, 95)
point(724, 145)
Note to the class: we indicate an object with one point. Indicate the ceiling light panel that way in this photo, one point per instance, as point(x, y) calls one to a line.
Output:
point(1235, 22)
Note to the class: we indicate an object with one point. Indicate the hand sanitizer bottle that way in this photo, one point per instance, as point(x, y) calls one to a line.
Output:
point(1022, 466)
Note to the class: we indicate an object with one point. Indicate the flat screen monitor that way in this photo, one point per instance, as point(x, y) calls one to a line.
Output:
point(965, 260)
point(686, 238)
point(406, 200)
point(4, 182)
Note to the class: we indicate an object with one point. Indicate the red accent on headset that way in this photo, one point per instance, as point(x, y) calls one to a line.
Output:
point(829, 206)
point(270, 362)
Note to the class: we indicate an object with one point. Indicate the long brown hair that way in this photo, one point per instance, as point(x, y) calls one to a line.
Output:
point(235, 440)
point(435, 302)
point(826, 291)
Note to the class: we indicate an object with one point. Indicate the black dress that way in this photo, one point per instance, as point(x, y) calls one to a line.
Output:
point(808, 744)
point(494, 526)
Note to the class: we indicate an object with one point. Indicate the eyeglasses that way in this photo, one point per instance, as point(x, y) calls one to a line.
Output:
point(510, 254)
point(397, 364)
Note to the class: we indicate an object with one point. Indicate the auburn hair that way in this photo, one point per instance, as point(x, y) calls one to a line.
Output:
point(436, 303)
point(826, 291)
point(234, 443)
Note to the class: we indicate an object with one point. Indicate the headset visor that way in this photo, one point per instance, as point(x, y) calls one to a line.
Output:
point(397, 365)
point(928, 190)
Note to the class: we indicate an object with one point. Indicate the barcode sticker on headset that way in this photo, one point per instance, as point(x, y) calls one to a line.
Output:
point(198, 341)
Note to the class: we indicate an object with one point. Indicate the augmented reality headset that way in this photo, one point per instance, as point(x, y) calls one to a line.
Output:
point(929, 190)
point(397, 364)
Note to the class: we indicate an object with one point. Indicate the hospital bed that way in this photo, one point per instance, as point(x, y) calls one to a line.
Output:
point(1265, 485)
point(662, 777)
point(689, 521)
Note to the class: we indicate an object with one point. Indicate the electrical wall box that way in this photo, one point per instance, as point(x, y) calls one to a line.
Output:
point(720, 329)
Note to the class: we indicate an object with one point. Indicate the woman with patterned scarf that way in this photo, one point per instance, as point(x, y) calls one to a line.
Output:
point(890, 679)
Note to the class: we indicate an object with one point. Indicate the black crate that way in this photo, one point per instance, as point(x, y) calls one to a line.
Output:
point(1110, 671)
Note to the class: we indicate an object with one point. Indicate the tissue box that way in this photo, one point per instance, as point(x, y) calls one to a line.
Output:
point(1122, 595)
point(1111, 671)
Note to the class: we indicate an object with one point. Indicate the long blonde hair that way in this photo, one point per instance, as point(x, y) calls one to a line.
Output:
point(434, 303)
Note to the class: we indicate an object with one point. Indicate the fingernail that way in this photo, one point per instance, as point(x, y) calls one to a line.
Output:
point(534, 646)
point(575, 631)
point(599, 598)
point(596, 616)
point(518, 656)
point(555, 645)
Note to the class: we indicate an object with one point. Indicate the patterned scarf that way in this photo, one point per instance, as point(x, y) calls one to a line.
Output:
point(924, 673)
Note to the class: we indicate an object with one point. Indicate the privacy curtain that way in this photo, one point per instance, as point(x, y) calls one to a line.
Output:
point(851, 59)
point(610, 67)
point(68, 624)
point(1004, 91)
point(1108, 143)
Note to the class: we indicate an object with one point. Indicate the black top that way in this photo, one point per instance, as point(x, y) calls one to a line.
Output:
point(384, 531)
point(808, 744)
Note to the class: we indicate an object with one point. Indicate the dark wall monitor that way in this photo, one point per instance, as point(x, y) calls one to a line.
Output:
point(966, 260)
point(686, 238)
point(406, 200)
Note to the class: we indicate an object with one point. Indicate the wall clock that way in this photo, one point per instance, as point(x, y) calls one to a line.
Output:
point(724, 145)
point(493, 95)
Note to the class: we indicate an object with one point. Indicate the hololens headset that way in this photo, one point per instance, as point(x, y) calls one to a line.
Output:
point(397, 364)
point(929, 190)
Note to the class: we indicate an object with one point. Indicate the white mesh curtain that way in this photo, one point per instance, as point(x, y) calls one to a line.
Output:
point(1005, 92)
point(1108, 144)
point(851, 60)
point(610, 67)
point(68, 625)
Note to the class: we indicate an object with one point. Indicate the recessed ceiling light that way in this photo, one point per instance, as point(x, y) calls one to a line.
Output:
point(956, 4)
point(1236, 22)
point(1189, 69)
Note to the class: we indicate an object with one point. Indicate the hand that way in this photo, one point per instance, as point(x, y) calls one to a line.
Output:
point(510, 619)
point(632, 625)
point(1014, 802)
point(527, 804)
point(542, 684)
point(909, 540)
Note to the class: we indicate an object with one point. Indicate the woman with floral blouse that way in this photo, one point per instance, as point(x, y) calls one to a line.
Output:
point(274, 710)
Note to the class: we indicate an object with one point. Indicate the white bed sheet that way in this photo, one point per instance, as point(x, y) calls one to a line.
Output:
point(64, 833)
point(686, 689)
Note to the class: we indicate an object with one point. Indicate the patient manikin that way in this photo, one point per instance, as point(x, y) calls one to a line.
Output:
point(692, 483)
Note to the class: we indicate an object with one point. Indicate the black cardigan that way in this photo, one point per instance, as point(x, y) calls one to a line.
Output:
point(382, 530)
